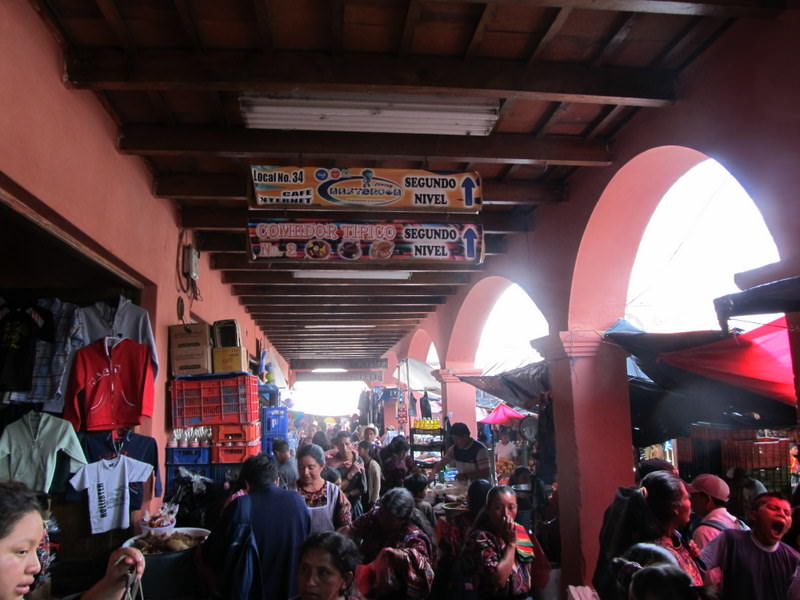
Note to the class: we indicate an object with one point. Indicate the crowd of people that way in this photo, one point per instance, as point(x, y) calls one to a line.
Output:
point(349, 520)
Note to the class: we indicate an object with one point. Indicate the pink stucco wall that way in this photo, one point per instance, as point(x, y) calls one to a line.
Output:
point(60, 146)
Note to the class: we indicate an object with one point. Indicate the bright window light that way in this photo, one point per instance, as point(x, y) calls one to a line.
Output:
point(327, 398)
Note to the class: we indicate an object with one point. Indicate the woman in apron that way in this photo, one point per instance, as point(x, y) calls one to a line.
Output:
point(328, 507)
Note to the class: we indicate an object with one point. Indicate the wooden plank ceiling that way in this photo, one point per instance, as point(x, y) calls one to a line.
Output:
point(568, 75)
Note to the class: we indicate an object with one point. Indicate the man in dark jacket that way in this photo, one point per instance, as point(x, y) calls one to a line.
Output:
point(279, 521)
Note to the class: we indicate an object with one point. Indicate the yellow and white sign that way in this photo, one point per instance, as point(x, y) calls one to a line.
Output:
point(391, 189)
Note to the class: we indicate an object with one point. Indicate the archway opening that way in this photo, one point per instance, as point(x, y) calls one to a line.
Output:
point(704, 230)
point(512, 323)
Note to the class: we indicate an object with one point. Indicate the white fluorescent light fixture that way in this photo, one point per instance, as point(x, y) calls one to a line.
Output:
point(345, 274)
point(334, 326)
point(377, 113)
point(331, 370)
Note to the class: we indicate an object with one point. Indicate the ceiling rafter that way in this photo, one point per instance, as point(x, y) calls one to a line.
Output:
point(287, 278)
point(410, 23)
point(555, 26)
point(220, 219)
point(734, 8)
point(314, 289)
point(291, 145)
point(108, 69)
point(343, 300)
point(480, 29)
point(240, 262)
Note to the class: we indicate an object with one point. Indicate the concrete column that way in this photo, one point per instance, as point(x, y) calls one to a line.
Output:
point(458, 398)
point(593, 441)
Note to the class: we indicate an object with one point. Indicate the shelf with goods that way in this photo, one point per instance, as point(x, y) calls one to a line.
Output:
point(427, 442)
point(217, 417)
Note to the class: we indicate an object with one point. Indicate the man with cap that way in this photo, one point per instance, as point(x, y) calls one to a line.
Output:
point(709, 495)
point(469, 456)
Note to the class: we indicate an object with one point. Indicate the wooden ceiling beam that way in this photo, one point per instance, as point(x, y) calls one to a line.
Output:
point(337, 363)
point(555, 26)
point(366, 376)
point(237, 187)
point(480, 30)
point(409, 26)
point(285, 278)
point(342, 301)
point(734, 8)
point(229, 241)
point(263, 145)
point(379, 321)
point(355, 310)
point(240, 262)
point(222, 219)
point(110, 69)
point(340, 291)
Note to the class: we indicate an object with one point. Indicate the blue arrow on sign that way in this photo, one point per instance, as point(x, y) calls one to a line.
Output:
point(468, 184)
point(470, 235)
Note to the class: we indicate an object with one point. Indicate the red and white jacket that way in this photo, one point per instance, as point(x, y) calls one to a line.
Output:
point(111, 386)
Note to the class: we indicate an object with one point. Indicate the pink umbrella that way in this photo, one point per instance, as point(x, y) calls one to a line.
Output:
point(502, 414)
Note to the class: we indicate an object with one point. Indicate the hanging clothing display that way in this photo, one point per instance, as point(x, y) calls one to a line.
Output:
point(107, 484)
point(52, 360)
point(99, 445)
point(124, 320)
point(111, 386)
point(425, 407)
point(20, 329)
point(29, 449)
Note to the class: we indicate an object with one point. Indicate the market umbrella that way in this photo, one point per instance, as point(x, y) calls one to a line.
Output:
point(780, 296)
point(520, 387)
point(502, 414)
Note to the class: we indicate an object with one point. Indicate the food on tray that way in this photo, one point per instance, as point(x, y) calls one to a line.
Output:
point(428, 458)
point(165, 517)
point(381, 249)
point(152, 544)
point(318, 249)
point(350, 250)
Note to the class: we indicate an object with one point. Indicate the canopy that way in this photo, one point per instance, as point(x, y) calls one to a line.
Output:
point(416, 376)
point(502, 414)
point(775, 297)
point(674, 396)
point(519, 387)
point(759, 360)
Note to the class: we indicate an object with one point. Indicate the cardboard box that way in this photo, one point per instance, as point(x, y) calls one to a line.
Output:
point(227, 360)
point(190, 349)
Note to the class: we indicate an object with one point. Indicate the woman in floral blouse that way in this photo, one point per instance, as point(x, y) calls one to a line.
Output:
point(327, 505)
point(397, 544)
point(504, 560)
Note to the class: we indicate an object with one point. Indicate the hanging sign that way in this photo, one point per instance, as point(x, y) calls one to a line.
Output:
point(402, 413)
point(317, 187)
point(349, 242)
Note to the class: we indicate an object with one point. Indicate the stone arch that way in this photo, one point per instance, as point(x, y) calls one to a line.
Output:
point(420, 342)
point(612, 236)
point(469, 322)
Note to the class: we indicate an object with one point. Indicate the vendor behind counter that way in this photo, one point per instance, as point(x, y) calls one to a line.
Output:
point(467, 455)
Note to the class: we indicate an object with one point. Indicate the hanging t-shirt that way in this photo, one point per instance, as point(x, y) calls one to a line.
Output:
point(29, 448)
point(107, 483)
point(102, 444)
point(19, 331)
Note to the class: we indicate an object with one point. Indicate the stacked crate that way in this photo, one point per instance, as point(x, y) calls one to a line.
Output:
point(229, 405)
point(275, 425)
point(194, 460)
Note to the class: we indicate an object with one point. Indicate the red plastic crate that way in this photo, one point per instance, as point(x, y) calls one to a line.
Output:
point(245, 432)
point(214, 400)
point(233, 454)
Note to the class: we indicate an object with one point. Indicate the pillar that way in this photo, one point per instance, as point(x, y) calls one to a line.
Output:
point(458, 398)
point(593, 441)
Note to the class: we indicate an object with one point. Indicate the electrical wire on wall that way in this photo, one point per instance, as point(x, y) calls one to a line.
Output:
point(185, 277)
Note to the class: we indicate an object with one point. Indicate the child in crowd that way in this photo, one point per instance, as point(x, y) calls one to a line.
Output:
point(417, 483)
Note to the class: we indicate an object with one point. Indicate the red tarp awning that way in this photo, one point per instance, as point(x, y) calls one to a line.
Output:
point(759, 361)
point(502, 414)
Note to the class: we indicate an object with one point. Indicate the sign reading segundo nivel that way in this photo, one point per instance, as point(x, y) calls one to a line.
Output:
point(317, 187)
point(321, 241)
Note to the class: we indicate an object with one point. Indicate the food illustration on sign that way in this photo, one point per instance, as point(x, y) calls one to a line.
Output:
point(350, 249)
point(381, 249)
point(318, 249)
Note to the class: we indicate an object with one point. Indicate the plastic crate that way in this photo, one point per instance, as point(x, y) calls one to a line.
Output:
point(234, 454)
point(173, 473)
point(275, 419)
point(223, 473)
point(246, 432)
point(214, 400)
point(188, 456)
